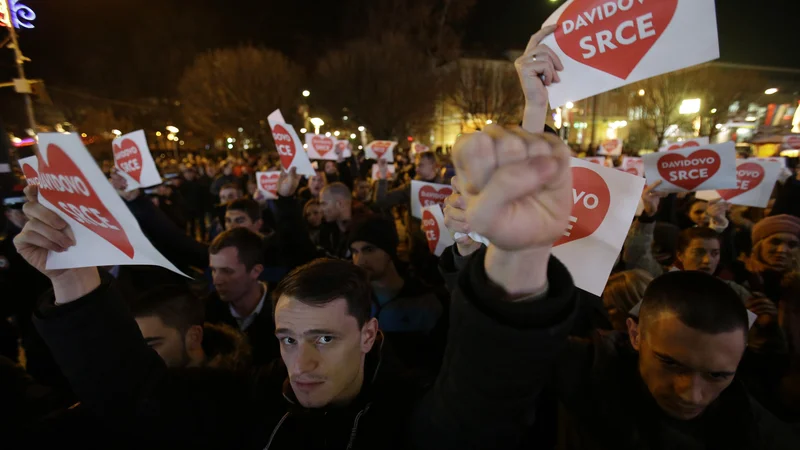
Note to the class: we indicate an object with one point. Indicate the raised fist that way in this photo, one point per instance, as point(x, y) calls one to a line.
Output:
point(517, 186)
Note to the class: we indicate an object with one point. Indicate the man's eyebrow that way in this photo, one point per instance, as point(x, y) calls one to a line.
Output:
point(670, 359)
point(312, 332)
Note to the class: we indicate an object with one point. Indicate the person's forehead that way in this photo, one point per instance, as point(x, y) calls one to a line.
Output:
point(294, 315)
point(152, 326)
point(359, 245)
point(785, 237)
point(226, 256)
point(706, 352)
point(704, 243)
point(235, 214)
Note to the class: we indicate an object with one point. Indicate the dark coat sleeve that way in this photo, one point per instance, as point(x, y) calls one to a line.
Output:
point(788, 199)
point(498, 356)
point(385, 198)
point(166, 237)
point(346, 173)
point(450, 265)
point(291, 236)
point(121, 380)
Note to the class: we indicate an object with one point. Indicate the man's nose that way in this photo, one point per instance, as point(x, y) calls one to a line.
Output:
point(689, 389)
point(307, 359)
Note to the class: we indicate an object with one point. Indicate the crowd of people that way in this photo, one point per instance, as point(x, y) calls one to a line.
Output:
point(321, 319)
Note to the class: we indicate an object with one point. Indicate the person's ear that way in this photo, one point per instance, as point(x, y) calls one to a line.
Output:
point(634, 333)
point(255, 272)
point(259, 223)
point(369, 332)
point(194, 338)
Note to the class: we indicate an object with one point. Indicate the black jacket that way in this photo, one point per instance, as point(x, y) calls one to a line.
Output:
point(495, 364)
point(608, 406)
point(260, 334)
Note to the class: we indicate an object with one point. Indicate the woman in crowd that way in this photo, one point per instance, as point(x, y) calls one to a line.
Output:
point(775, 255)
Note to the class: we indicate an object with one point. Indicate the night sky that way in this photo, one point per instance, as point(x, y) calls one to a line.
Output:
point(129, 49)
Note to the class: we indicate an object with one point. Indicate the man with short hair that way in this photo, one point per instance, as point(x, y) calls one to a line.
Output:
point(671, 382)
point(314, 188)
point(171, 320)
point(244, 212)
point(339, 211)
point(236, 259)
point(230, 192)
point(362, 191)
point(226, 177)
point(515, 306)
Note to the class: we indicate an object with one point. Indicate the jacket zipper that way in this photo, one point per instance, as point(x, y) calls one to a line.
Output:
point(275, 431)
point(355, 426)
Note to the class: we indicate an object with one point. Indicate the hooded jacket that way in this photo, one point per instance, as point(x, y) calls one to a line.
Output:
point(483, 397)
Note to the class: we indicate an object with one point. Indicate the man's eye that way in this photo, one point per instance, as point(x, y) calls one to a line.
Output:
point(287, 341)
point(717, 376)
point(325, 340)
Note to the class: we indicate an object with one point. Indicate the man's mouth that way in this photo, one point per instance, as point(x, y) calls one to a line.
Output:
point(307, 386)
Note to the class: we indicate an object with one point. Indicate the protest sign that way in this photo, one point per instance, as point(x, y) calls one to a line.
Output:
point(380, 149)
point(72, 186)
point(376, 172)
point(606, 44)
point(319, 146)
point(785, 173)
point(268, 183)
point(697, 142)
point(611, 147)
point(601, 160)
point(288, 143)
point(632, 165)
point(419, 148)
point(755, 180)
point(791, 142)
point(346, 147)
point(425, 194)
point(436, 233)
point(134, 162)
point(693, 169)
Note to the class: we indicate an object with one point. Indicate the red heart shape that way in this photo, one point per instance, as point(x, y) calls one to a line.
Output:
point(63, 184)
point(428, 195)
point(269, 182)
point(632, 171)
point(748, 177)
point(687, 144)
point(690, 171)
point(613, 35)
point(322, 144)
point(431, 229)
point(591, 200)
point(610, 146)
point(129, 159)
point(285, 145)
point(381, 147)
point(793, 142)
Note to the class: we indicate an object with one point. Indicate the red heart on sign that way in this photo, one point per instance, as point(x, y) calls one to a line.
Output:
point(322, 145)
point(63, 184)
point(690, 171)
point(129, 159)
point(381, 147)
point(431, 230)
point(269, 182)
point(632, 171)
point(429, 195)
point(687, 144)
point(603, 35)
point(591, 200)
point(610, 146)
point(748, 177)
point(793, 142)
point(285, 145)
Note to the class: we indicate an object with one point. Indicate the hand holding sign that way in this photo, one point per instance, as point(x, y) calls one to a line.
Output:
point(44, 232)
point(651, 199)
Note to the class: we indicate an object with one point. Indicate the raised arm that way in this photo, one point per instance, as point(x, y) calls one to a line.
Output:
point(537, 68)
point(514, 303)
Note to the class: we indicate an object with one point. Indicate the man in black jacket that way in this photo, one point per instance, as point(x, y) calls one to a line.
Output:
point(512, 310)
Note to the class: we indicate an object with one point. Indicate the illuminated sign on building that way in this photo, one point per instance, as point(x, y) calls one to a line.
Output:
point(13, 13)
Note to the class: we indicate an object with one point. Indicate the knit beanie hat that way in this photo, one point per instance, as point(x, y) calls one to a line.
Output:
point(377, 231)
point(783, 223)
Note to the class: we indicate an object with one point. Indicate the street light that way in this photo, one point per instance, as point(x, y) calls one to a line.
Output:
point(336, 133)
point(317, 122)
point(771, 91)
point(303, 130)
point(173, 129)
point(328, 134)
point(570, 105)
point(158, 133)
point(361, 128)
point(641, 92)
point(489, 122)
point(345, 118)
point(714, 111)
point(306, 93)
point(352, 135)
point(117, 132)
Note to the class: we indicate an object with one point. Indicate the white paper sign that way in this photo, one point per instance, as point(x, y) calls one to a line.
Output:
point(755, 180)
point(72, 186)
point(436, 233)
point(693, 169)
point(419, 148)
point(426, 194)
point(606, 44)
point(697, 142)
point(268, 183)
point(605, 201)
point(600, 160)
point(134, 162)
point(376, 172)
point(380, 149)
point(611, 147)
point(290, 149)
point(346, 147)
point(792, 142)
point(320, 146)
point(632, 165)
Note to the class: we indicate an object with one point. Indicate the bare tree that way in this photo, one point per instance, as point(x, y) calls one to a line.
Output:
point(723, 87)
point(484, 90)
point(659, 107)
point(231, 88)
point(100, 121)
point(387, 84)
